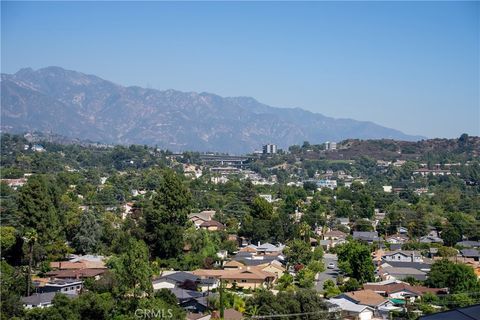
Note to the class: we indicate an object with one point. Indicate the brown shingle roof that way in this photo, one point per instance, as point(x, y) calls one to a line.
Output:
point(396, 287)
point(75, 274)
point(335, 233)
point(65, 265)
point(366, 297)
point(212, 223)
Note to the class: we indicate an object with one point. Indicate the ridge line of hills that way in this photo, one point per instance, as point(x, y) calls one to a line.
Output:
point(77, 105)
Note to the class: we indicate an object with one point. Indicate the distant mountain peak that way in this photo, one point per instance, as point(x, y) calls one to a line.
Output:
point(84, 106)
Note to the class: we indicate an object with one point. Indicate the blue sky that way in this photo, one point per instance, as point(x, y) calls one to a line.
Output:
point(413, 66)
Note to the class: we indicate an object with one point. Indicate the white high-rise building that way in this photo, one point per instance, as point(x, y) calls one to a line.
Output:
point(330, 145)
point(270, 149)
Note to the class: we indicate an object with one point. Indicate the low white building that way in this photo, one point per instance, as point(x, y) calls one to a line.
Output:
point(403, 256)
point(350, 309)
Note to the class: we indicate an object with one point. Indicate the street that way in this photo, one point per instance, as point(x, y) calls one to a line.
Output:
point(321, 277)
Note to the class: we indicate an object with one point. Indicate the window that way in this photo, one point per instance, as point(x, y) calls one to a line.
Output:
point(243, 281)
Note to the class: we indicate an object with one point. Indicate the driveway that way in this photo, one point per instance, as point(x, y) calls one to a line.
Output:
point(332, 274)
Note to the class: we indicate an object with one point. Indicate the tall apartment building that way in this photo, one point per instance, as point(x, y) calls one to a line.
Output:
point(270, 149)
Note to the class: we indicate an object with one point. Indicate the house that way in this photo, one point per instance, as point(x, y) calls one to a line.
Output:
point(62, 286)
point(201, 217)
point(233, 265)
point(267, 197)
point(263, 249)
point(431, 239)
point(15, 183)
point(387, 189)
point(268, 248)
point(401, 290)
point(191, 301)
point(67, 265)
point(212, 225)
point(400, 273)
point(90, 261)
point(250, 277)
point(366, 236)
point(326, 183)
point(353, 310)
point(424, 266)
point(397, 238)
point(274, 267)
point(395, 246)
point(434, 172)
point(344, 222)
point(198, 316)
point(38, 148)
point(468, 244)
point(77, 273)
point(175, 279)
point(335, 235)
point(470, 253)
point(403, 256)
point(465, 313)
point(41, 300)
point(228, 314)
point(365, 297)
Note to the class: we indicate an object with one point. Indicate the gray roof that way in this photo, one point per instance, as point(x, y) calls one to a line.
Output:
point(470, 253)
point(42, 298)
point(348, 305)
point(430, 239)
point(366, 235)
point(182, 276)
point(414, 265)
point(183, 294)
point(469, 244)
point(402, 273)
point(467, 313)
point(395, 246)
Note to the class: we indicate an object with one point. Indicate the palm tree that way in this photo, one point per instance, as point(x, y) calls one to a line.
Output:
point(305, 231)
point(30, 238)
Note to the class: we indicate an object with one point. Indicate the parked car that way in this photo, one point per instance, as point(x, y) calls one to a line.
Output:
point(331, 265)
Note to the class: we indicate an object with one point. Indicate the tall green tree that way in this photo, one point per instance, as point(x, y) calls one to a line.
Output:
point(88, 234)
point(166, 217)
point(458, 277)
point(355, 260)
point(37, 206)
point(132, 269)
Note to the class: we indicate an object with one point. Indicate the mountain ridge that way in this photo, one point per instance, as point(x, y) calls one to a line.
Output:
point(79, 105)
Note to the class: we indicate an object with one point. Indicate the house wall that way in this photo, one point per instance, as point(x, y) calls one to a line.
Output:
point(249, 284)
point(403, 258)
point(365, 315)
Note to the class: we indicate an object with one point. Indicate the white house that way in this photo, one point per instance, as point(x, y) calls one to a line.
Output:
point(403, 256)
point(350, 309)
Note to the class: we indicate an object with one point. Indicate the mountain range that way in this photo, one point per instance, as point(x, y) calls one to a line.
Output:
point(84, 106)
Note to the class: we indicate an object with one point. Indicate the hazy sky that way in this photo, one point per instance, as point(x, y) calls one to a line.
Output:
point(412, 66)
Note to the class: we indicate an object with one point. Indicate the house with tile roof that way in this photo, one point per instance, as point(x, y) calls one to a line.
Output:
point(212, 225)
point(365, 297)
point(250, 277)
point(401, 290)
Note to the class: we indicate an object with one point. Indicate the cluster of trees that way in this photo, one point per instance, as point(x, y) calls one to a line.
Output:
point(73, 204)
